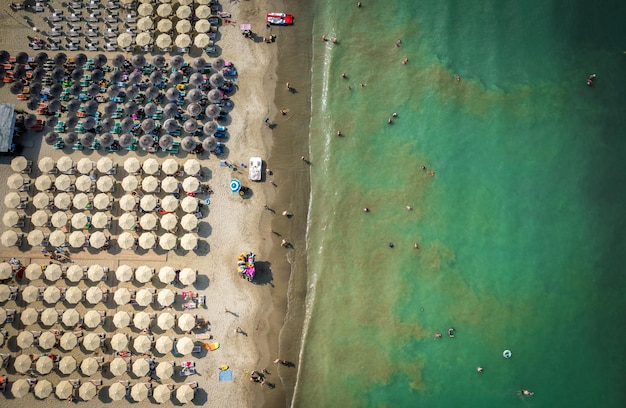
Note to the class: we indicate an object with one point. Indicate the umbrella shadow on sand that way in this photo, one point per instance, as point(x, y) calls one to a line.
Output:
point(264, 273)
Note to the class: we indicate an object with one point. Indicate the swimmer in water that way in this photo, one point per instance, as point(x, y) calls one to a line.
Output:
point(451, 332)
point(525, 392)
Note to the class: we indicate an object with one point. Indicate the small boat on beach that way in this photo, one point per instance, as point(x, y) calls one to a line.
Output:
point(254, 170)
point(279, 18)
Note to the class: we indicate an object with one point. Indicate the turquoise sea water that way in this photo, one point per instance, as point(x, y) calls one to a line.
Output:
point(521, 229)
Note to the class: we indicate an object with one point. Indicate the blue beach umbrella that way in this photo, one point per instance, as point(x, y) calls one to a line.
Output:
point(235, 185)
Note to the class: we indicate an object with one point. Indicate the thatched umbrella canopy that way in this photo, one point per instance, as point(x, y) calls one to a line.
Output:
point(30, 120)
point(217, 80)
point(21, 58)
point(177, 61)
point(55, 90)
point(91, 107)
point(218, 63)
point(188, 144)
point(38, 74)
point(166, 141)
point(132, 92)
point(87, 139)
point(97, 75)
point(109, 108)
point(148, 125)
point(41, 58)
point(107, 124)
point(71, 121)
point(176, 77)
point(130, 108)
point(172, 94)
point(93, 90)
point(138, 60)
point(80, 59)
point(19, 72)
point(4, 56)
point(33, 103)
point(75, 90)
point(146, 142)
point(194, 95)
point(89, 122)
point(152, 92)
point(52, 121)
point(77, 74)
point(118, 60)
point(60, 58)
point(127, 124)
point(170, 125)
point(196, 78)
point(190, 125)
point(54, 105)
point(158, 61)
point(70, 138)
point(100, 60)
point(214, 95)
point(125, 140)
point(113, 91)
point(209, 144)
point(51, 138)
point(198, 63)
point(194, 109)
point(170, 110)
point(116, 76)
point(150, 109)
point(209, 128)
point(106, 139)
point(135, 77)
point(156, 77)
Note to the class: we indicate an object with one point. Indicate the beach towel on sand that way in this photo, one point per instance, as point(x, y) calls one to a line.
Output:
point(226, 375)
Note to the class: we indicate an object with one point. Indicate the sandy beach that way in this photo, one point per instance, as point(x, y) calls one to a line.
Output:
point(231, 225)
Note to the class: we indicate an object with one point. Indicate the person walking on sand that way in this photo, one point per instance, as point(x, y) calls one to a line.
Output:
point(288, 86)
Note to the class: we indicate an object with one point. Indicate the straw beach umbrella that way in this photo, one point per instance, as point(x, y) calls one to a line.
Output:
point(121, 319)
point(141, 320)
point(167, 241)
point(186, 322)
point(74, 273)
point(35, 238)
point(25, 339)
point(64, 389)
point(210, 144)
point(214, 95)
point(196, 78)
point(122, 296)
point(44, 365)
point(118, 367)
point(20, 388)
point(68, 342)
point(218, 63)
point(142, 344)
point(169, 203)
point(188, 276)
point(144, 297)
point(201, 40)
point(87, 391)
point(119, 342)
point(189, 204)
point(126, 240)
point(185, 393)
point(184, 346)
point(47, 340)
point(139, 392)
point(73, 295)
point(167, 274)
point(43, 389)
point(29, 316)
point(166, 297)
point(169, 222)
point(183, 40)
point(164, 40)
point(188, 143)
point(166, 141)
point(117, 391)
point(22, 363)
point(67, 365)
point(162, 393)
point(80, 202)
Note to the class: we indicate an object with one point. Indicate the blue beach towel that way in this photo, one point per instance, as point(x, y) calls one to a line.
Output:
point(226, 375)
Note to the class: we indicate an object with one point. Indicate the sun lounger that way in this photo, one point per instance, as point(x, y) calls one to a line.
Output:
point(73, 18)
point(54, 33)
point(72, 46)
point(54, 19)
point(91, 19)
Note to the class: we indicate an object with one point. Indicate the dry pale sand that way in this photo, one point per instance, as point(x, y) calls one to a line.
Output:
point(232, 226)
